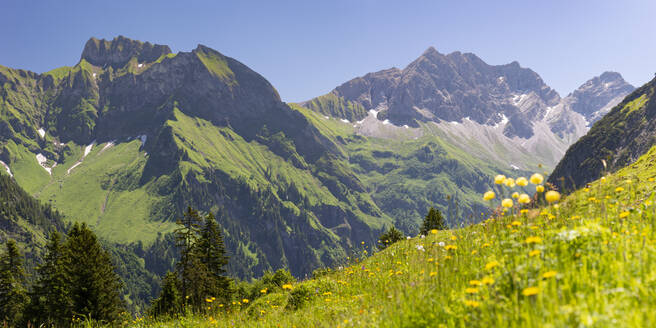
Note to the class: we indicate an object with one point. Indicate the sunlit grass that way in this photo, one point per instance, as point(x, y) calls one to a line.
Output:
point(585, 260)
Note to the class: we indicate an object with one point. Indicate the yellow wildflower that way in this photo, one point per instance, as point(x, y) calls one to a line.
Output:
point(499, 179)
point(487, 281)
point(521, 181)
point(433, 274)
point(537, 179)
point(507, 203)
point(516, 223)
point(524, 199)
point(245, 301)
point(533, 240)
point(471, 290)
point(549, 274)
point(475, 282)
point(433, 231)
point(287, 286)
point(472, 303)
point(529, 291)
point(624, 214)
point(539, 188)
point(515, 195)
point(552, 196)
point(491, 265)
point(534, 252)
point(619, 189)
point(450, 247)
point(489, 195)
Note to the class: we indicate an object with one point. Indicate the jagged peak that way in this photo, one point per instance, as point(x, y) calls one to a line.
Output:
point(118, 52)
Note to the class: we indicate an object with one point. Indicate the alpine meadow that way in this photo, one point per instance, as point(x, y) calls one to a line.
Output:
point(396, 167)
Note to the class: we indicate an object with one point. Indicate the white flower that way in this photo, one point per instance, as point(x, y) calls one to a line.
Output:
point(441, 244)
point(408, 238)
point(420, 247)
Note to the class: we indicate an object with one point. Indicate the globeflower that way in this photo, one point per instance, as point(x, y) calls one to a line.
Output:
point(507, 203)
point(499, 179)
point(524, 199)
point(509, 182)
point(489, 195)
point(537, 179)
point(552, 196)
point(515, 195)
point(521, 181)
point(539, 188)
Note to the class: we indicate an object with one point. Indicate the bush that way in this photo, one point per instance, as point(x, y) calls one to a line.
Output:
point(390, 237)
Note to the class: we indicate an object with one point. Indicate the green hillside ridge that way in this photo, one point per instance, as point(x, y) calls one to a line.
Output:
point(587, 261)
point(617, 140)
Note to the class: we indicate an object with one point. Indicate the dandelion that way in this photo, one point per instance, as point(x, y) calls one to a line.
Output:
point(489, 195)
point(624, 214)
point(475, 283)
point(450, 247)
point(533, 240)
point(487, 281)
point(454, 238)
point(524, 199)
point(471, 290)
point(515, 195)
point(491, 265)
point(529, 291)
point(507, 203)
point(327, 293)
point(209, 300)
point(472, 303)
point(287, 286)
point(549, 274)
point(619, 189)
point(263, 291)
point(434, 231)
point(433, 274)
point(539, 188)
point(534, 252)
point(650, 179)
point(499, 179)
point(523, 211)
point(552, 196)
point(537, 179)
point(245, 301)
point(515, 223)
point(485, 245)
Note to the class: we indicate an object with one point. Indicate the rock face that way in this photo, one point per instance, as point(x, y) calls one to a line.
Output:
point(460, 86)
point(118, 52)
point(618, 139)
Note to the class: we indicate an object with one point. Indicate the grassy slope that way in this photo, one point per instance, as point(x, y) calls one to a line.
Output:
point(590, 261)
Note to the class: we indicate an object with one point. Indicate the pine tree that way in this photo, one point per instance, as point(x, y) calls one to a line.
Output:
point(211, 252)
point(169, 301)
point(93, 284)
point(389, 237)
point(189, 266)
point(50, 299)
point(13, 296)
point(433, 220)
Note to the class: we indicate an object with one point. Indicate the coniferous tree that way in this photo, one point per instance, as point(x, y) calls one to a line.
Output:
point(433, 220)
point(13, 296)
point(94, 286)
point(189, 267)
point(50, 301)
point(389, 237)
point(211, 252)
point(169, 301)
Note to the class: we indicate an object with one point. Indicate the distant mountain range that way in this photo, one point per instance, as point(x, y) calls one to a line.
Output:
point(465, 97)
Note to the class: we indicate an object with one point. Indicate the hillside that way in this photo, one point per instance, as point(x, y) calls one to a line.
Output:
point(617, 140)
point(584, 262)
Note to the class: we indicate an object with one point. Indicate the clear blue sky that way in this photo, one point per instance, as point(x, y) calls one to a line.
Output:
point(305, 48)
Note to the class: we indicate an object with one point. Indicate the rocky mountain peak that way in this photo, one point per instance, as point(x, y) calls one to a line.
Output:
point(118, 52)
point(598, 95)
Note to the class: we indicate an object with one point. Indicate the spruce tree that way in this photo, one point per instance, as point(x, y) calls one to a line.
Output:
point(389, 237)
point(211, 252)
point(13, 296)
point(93, 284)
point(169, 301)
point(433, 220)
point(50, 299)
point(189, 266)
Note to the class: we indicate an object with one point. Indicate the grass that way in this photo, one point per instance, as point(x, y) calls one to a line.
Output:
point(589, 261)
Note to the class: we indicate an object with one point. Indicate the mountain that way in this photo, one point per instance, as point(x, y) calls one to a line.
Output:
point(616, 140)
point(465, 97)
point(132, 134)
